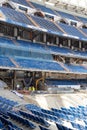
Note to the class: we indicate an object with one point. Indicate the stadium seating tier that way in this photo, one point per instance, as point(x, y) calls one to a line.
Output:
point(15, 16)
point(38, 64)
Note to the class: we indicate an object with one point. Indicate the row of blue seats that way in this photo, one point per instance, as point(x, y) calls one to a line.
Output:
point(34, 47)
point(78, 126)
point(7, 101)
point(6, 107)
point(24, 48)
point(6, 62)
point(45, 116)
point(32, 106)
point(76, 68)
point(40, 112)
point(21, 120)
point(76, 113)
point(35, 118)
point(38, 64)
point(17, 51)
point(64, 114)
point(66, 51)
point(75, 126)
point(56, 82)
point(8, 124)
point(46, 51)
point(31, 63)
point(23, 44)
point(58, 115)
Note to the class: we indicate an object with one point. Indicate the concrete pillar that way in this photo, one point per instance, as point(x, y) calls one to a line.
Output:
point(80, 45)
point(69, 43)
point(14, 80)
point(15, 32)
point(44, 38)
point(57, 40)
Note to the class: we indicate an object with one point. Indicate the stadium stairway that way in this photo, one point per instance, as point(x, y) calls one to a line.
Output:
point(82, 32)
point(30, 4)
point(58, 26)
point(14, 62)
point(77, 18)
point(32, 20)
point(15, 42)
point(62, 65)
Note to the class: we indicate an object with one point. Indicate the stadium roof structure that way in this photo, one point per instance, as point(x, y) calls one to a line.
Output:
point(79, 3)
point(79, 6)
